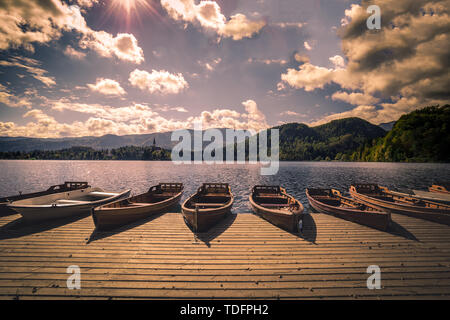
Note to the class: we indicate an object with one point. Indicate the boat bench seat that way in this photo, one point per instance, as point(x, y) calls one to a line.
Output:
point(102, 194)
point(274, 205)
point(64, 201)
point(210, 204)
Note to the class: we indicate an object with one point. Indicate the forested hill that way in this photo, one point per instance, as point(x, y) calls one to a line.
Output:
point(420, 136)
point(336, 140)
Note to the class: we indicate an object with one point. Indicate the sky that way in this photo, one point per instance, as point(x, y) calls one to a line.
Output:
point(95, 67)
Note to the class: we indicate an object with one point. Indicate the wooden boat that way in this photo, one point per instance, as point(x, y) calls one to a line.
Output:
point(64, 204)
point(211, 203)
point(424, 195)
point(432, 196)
point(66, 186)
point(155, 200)
point(276, 206)
point(331, 201)
point(381, 198)
point(440, 188)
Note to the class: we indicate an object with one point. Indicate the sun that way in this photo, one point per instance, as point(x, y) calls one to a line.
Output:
point(128, 5)
point(129, 10)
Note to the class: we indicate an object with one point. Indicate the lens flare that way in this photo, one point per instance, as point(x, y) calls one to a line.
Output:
point(128, 11)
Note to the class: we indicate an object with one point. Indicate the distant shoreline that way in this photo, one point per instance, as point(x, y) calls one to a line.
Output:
point(284, 161)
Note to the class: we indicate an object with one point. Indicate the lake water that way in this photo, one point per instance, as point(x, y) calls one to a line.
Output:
point(35, 175)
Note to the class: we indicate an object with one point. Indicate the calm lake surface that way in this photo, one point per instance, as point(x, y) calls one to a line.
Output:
point(35, 175)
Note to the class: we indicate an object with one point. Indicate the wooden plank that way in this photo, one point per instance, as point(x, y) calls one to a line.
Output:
point(249, 258)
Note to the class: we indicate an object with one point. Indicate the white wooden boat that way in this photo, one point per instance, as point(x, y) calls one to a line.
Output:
point(64, 204)
point(66, 186)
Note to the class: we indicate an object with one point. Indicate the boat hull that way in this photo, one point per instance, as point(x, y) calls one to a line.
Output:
point(287, 220)
point(376, 220)
point(437, 214)
point(205, 220)
point(109, 218)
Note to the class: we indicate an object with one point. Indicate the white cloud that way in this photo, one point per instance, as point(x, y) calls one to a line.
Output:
point(124, 46)
point(161, 82)
point(337, 61)
point(133, 119)
point(239, 27)
point(107, 87)
point(307, 46)
point(291, 114)
point(308, 77)
point(355, 98)
point(208, 15)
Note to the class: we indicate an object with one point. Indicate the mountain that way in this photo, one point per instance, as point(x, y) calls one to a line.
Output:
point(387, 126)
point(108, 141)
point(335, 140)
point(420, 136)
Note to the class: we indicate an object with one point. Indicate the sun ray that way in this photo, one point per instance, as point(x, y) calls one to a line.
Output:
point(129, 11)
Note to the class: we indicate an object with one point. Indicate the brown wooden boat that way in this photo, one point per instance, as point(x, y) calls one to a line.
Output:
point(276, 206)
point(330, 201)
point(155, 200)
point(65, 187)
point(211, 203)
point(381, 198)
point(440, 188)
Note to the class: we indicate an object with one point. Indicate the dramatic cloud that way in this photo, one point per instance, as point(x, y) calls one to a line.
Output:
point(11, 100)
point(32, 67)
point(208, 15)
point(71, 52)
point(406, 63)
point(355, 98)
point(107, 86)
point(25, 23)
point(161, 82)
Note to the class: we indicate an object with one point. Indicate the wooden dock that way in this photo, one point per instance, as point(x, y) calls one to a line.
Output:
point(244, 257)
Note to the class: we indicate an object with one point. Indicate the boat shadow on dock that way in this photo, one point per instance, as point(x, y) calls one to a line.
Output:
point(19, 227)
point(394, 228)
point(101, 234)
point(309, 232)
point(397, 229)
point(215, 231)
